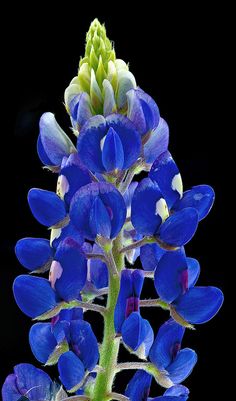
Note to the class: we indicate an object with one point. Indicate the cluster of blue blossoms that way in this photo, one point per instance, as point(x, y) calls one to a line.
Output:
point(97, 216)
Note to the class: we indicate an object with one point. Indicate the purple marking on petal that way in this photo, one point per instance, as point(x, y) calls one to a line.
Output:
point(110, 212)
point(54, 320)
point(184, 280)
point(56, 271)
point(132, 305)
point(175, 349)
point(76, 349)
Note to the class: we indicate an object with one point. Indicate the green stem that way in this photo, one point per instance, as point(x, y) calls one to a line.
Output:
point(110, 346)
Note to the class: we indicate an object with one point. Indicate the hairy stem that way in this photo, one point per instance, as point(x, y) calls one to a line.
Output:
point(138, 244)
point(132, 365)
point(153, 302)
point(110, 345)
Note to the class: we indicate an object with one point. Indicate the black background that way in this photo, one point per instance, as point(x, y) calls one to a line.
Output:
point(181, 57)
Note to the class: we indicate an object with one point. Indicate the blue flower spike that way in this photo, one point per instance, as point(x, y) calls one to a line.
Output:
point(102, 217)
point(53, 144)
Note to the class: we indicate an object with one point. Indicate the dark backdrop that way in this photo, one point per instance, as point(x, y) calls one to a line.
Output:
point(180, 56)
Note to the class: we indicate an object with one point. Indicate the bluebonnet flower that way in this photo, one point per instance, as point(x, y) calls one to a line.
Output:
point(36, 295)
point(175, 277)
point(29, 383)
point(166, 354)
point(166, 173)
point(139, 387)
point(157, 142)
point(97, 270)
point(74, 359)
point(53, 143)
point(34, 253)
point(109, 144)
point(136, 332)
point(142, 111)
point(150, 255)
point(151, 217)
point(98, 209)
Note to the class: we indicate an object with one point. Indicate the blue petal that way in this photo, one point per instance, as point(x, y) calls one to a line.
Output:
point(83, 112)
point(75, 176)
point(143, 209)
point(98, 271)
point(112, 152)
point(99, 219)
point(135, 330)
point(165, 172)
point(59, 234)
point(182, 365)
point(128, 196)
point(157, 143)
point(10, 392)
point(150, 255)
point(34, 380)
point(142, 110)
point(180, 227)
point(129, 138)
point(71, 314)
point(89, 143)
point(46, 207)
point(53, 143)
point(34, 295)
point(42, 341)
point(84, 343)
point(83, 200)
point(33, 253)
point(69, 270)
point(193, 271)
point(199, 304)
point(139, 386)
point(200, 197)
point(171, 275)
point(177, 391)
point(126, 291)
point(138, 279)
point(166, 344)
point(71, 369)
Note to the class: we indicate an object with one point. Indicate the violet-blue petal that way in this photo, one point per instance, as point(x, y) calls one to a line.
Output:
point(42, 341)
point(59, 234)
point(98, 273)
point(150, 255)
point(46, 206)
point(53, 143)
point(182, 365)
point(201, 197)
point(142, 110)
point(69, 270)
point(30, 378)
point(134, 331)
point(171, 275)
point(99, 219)
point(34, 295)
point(82, 203)
point(128, 196)
point(139, 386)
point(129, 137)
point(84, 343)
point(89, 143)
point(193, 271)
point(157, 143)
point(33, 253)
point(126, 291)
point(75, 176)
point(10, 391)
point(143, 208)
point(199, 304)
point(177, 391)
point(112, 151)
point(180, 227)
point(71, 370)
point(83, 110)
point(166, 173)
point(166, 344)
